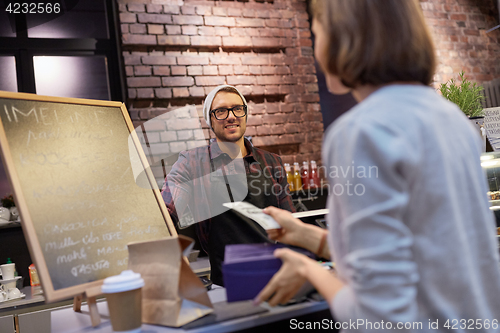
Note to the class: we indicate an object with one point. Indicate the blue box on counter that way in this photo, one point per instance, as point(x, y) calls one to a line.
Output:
point(247, 268)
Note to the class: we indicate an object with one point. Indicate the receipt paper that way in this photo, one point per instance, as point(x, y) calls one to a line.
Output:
point(254, 213)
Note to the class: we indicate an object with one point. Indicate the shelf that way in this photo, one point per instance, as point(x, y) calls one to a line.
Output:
point(10, 224)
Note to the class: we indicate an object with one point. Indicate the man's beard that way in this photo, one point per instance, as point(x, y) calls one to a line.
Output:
point(221, 136)
point(219, 133)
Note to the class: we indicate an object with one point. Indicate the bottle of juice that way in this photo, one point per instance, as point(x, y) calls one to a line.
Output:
point(34, 280)
point(304, 174)
point(314, 176)
point(297, 181)
point(289, 176)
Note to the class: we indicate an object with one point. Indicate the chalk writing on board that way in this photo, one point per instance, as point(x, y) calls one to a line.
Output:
point(89, 268)
point(32, 136)
point(74, 171)
point(66, 242)
point(72, 256)
point(44, 116)
point(56, 229)
point(109, 250)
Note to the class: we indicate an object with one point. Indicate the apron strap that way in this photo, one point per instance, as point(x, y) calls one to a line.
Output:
point(223, 173)
point(259, 160)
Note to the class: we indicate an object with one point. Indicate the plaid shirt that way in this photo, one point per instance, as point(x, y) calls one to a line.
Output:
point(188, 183)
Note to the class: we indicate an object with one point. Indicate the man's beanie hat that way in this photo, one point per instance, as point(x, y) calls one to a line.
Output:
point(210, 98)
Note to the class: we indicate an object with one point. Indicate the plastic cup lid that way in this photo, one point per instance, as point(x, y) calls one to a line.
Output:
point(127, 280)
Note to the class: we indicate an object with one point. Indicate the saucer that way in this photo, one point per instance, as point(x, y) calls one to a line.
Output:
point(4, 222)
point(12, 299)
point(10, 280)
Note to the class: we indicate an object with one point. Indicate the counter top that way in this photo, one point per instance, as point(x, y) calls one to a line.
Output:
point(59, 317)
point(67, 321)
point(34, 295)
point(34, 301)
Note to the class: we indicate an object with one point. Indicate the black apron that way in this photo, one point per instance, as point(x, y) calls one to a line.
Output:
point(231, 227)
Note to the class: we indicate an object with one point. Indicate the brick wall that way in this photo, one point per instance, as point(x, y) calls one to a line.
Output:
point(459, 31)
point(176, 52)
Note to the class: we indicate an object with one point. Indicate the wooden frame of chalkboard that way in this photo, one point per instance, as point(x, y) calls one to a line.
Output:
point(68, 163)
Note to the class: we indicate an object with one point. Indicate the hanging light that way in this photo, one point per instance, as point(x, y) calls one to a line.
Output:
point(498, 26)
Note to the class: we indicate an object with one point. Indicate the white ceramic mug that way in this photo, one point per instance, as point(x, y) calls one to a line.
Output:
point(4, 214)
point(14, 293)
point(3, 294)
point(14, 214)
point(8, 271)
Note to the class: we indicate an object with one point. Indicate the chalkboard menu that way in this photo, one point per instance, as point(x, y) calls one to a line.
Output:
point(492, 126)
point(68, 163)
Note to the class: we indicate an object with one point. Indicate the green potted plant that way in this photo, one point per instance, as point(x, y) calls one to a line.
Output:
point(465, 94)
point(9, 203)
point(468, 97)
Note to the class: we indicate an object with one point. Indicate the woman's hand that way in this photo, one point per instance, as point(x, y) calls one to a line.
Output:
point(291, 228)
point(288, 280)
point(295, 270)
point(297, 233)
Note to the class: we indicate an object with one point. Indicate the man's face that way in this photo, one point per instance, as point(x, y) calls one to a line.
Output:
point(230, 129)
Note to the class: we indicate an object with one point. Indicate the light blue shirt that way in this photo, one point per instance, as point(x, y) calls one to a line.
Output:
point(410, 228)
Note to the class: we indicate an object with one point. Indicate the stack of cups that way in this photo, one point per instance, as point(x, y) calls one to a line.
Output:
point(8, 273)
point(123, 293)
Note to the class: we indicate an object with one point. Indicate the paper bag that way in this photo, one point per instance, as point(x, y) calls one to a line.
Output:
point(172, 295)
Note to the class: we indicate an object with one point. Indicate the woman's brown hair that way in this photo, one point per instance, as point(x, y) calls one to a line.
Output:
point(376, 41)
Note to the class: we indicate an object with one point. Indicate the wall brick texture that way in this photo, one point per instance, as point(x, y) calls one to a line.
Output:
point(177, 51)
point(459, 30)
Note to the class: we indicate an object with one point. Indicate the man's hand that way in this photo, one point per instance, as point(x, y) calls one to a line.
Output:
point(288, 280)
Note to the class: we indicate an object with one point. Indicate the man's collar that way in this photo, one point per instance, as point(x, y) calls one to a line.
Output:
point(216, 151)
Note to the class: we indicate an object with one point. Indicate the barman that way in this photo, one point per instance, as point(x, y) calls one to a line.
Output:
point(229, 169)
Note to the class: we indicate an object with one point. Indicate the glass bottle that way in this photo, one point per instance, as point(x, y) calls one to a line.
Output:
point(297, 181)
point(34, 280)
point(289, 176)
point(314, 176)
point(9, 261)
point(304, 174)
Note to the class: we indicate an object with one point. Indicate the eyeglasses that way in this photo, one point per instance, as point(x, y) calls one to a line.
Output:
point(239, 111)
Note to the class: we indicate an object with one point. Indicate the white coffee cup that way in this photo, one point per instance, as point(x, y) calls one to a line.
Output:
point(14, 213)
point(3, 294)
point(14, 293)
point(8, 271)
point(4, 214)
point(9, 285)
point(124, 296)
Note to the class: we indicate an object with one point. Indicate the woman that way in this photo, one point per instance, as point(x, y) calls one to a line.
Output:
point(409, 226)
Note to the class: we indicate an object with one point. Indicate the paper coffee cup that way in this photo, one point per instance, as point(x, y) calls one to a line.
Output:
point(123, 293)
point(8, 271)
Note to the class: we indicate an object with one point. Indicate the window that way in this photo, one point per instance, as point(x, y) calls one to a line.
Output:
point(8, 80)
point(80, 77)
point(71, 54)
